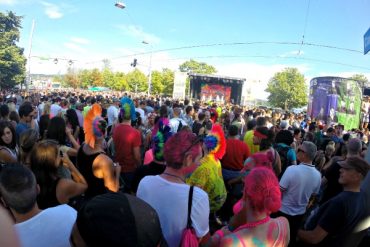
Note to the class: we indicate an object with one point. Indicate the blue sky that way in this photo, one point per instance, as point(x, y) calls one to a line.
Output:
point(89, 31)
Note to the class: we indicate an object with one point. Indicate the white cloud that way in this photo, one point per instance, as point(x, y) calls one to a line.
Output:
point(138, 33)
point(79, 40)
point(52, 10)
point(292, 53)
point(8, 2)
point(256, 75)
point(74, 47)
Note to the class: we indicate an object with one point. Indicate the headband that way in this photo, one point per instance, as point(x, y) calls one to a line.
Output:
point(259, 135)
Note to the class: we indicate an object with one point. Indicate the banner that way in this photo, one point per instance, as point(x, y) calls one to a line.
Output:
point(179, 85)
point(335, 100)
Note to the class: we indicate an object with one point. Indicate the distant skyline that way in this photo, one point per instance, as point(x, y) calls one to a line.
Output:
point(241, 38)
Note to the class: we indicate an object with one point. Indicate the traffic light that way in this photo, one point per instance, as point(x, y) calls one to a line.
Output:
point(133, 64)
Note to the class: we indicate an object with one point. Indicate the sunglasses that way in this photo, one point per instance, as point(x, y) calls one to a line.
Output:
point(301, 150)
point(197, 140)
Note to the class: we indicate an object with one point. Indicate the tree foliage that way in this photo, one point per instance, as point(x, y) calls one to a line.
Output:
point(287, 89)
point(12, 60)
point(362, 79)
point(71, 79)
point(193, 66)
point(137, 80)
point(162, 81)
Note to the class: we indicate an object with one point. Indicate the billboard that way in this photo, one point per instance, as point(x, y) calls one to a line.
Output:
point(335, 100)
point(215, 92)
point(179, 85)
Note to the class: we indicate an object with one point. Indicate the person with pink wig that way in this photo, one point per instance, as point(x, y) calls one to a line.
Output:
point(252, 225)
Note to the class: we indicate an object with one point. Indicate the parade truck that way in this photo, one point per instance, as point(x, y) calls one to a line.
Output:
point(335, 100)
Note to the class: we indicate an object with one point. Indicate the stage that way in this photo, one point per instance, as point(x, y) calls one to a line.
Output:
point(213, 88)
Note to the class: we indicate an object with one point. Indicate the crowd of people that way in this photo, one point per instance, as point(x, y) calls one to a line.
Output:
point(114, 169)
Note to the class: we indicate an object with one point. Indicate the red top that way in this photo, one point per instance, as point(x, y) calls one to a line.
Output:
point(236, 153)
point(125, 138)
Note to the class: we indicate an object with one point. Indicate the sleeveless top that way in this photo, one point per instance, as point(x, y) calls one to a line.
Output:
point(279, 241)
point(13, 152)
point(50, 198)
point(85, 165)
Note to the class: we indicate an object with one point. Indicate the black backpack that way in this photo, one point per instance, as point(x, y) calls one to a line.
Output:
point(283, 153)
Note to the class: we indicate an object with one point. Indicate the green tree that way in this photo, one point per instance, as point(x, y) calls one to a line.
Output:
point(193, 66)
point(12, 60)
point(71, 79)
point(362, 79)
point(120, 82)
point(136, 78)
point(157, 82)
point(287, 89)
point(197, 67)
point(97, 78)
point(168, 77)
point(85, 78)
point(108, 78)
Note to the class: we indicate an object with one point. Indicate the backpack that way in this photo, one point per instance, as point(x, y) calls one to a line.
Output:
point(283, 153)
point(189, 238)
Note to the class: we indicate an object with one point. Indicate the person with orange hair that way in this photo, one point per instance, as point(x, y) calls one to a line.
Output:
point(98, 169)
point(252, 225)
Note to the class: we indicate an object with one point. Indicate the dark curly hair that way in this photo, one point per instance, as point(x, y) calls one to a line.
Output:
point(284, 136)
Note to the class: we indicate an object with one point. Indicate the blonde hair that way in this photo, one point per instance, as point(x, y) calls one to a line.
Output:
point(47, 107)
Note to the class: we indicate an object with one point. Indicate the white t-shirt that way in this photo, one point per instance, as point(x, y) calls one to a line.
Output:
point(51, 227)
point(299, 182)
point(55, 109)
point(174, 124)
point(142, 114)
point(170, 200)
point(112, 114)
point(40, 110)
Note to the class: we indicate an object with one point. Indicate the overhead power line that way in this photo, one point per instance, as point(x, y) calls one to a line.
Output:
point(305, 27)
point(245, 43)
point(274, 57)
point(235, 44)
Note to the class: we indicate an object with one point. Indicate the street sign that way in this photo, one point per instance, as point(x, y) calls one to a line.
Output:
point(367, 42)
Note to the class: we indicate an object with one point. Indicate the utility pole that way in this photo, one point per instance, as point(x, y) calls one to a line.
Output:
point(28, 80)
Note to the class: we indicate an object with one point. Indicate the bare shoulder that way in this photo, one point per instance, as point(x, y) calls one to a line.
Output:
point(103, 160)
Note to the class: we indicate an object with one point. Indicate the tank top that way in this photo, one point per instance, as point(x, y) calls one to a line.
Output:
point(85, 165)
point(50, 198)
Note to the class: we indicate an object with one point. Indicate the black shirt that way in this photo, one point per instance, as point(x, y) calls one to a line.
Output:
point(341, 215)
point(333, 187)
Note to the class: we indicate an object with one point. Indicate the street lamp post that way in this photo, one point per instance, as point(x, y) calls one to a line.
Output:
point(28, 80)
point(150, 66)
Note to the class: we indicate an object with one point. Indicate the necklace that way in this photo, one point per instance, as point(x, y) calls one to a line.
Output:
point(249, 225)
point(175, 176)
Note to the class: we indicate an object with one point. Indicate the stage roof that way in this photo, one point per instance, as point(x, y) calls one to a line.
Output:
point(220, 77)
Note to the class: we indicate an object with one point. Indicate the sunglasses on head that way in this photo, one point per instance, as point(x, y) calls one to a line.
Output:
point(197, 140)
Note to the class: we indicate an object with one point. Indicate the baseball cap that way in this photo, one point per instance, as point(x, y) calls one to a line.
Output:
point(284, 124)
point(118, 219)
point(356, 163)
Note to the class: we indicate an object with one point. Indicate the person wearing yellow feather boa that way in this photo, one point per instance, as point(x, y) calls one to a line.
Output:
point(208, 176)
